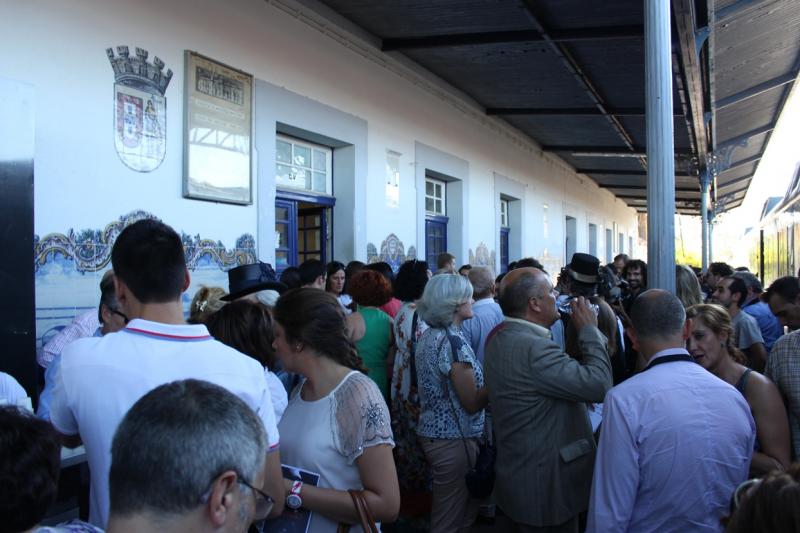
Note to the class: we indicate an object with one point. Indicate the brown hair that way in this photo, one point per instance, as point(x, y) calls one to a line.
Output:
point(206, 302)
point(716, 318)
point(246, 326)
point(772, 505)
point(316, 319)
point(369, 288)
point(606, 323)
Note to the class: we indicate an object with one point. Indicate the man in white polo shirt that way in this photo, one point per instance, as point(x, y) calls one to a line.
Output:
point(102, 377)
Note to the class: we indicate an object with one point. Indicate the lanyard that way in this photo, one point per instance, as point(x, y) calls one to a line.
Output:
point(670, 359)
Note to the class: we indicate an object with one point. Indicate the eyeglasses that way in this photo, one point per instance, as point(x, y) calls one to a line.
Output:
point(264, 502)
point(741, 491)
point(120, 313)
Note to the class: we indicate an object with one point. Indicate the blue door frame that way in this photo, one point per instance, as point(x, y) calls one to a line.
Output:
point(286, 233)
point(503, 250)
point(287, 214)
point(435, 238)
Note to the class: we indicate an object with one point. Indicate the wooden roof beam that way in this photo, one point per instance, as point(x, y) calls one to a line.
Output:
point(513, 36)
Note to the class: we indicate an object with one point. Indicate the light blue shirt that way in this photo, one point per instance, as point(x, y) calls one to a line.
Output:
point(770, 326)
point(674, 444)
point(486, 315)
point(46, 397)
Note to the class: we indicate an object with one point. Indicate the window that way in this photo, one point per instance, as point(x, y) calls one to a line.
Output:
point(435, 199)
point(392, 187)
point(504, 230)
point(593, 239)
point(504, 214)
point(302, 165)
point(609, 245)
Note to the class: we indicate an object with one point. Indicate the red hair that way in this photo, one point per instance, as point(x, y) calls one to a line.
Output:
point(369, 288)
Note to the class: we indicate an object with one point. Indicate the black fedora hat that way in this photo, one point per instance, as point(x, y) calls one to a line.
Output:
point(247, 279)
point(584, 268)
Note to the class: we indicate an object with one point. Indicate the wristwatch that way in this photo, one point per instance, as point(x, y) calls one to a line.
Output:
point(293, 500)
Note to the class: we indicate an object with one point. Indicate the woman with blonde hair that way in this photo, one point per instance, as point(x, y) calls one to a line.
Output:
point(452, 399)
point(711, 345)
point(687, 286)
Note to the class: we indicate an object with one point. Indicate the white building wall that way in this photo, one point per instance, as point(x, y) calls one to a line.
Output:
point(59, 48)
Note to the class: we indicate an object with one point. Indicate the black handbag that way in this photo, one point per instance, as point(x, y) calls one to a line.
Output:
point(480, 478)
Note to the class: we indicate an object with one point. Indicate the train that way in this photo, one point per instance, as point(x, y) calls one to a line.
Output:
point(775, 242)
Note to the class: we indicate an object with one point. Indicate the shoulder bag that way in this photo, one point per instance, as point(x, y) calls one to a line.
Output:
point(364, 514)
point(480, 477)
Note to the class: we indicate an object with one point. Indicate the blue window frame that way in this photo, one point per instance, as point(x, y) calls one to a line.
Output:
point(435, 238)
point(503, 250)
point(301, 233)
point(285, 234)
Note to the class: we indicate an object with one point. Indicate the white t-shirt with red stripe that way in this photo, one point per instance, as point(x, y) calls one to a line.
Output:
point(102, 377)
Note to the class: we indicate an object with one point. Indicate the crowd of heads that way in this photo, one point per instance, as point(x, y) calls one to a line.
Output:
point(282, 320)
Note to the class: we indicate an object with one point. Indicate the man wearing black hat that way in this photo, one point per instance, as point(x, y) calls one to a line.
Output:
point(248, 280)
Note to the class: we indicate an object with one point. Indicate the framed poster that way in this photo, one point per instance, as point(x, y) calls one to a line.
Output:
point(218, 124)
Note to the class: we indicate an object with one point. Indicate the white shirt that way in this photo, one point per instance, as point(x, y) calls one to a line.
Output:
point(326, 436)
point(102, 377)
point(11, 392)
point(675, 443)
point(278, 394)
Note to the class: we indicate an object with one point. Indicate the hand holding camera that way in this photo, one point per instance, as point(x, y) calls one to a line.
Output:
point(582, 313)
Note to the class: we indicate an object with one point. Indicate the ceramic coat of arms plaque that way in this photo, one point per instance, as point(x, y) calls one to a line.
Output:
point(140, 108)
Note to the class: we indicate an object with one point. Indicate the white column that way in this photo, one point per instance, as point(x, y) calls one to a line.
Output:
point(660, 147)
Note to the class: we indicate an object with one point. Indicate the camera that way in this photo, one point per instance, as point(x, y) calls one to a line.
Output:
point(564, 305)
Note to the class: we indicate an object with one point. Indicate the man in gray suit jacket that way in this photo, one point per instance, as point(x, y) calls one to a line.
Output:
point(538, 394)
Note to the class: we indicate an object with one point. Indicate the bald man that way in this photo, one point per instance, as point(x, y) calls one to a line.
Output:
point(676, 440)
point(538, 396)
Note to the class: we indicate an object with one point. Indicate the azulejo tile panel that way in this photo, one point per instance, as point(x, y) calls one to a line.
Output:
point(91, 249)
point(69, 266)
point(392, 252)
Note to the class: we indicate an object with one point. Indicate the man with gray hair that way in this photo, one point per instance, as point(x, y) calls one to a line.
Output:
point(486, 313)
point(538, 395)
point(188, 456)
point(676, 440)
point(770, 326)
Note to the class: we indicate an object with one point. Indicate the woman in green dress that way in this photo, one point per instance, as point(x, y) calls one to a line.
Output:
point(370, 328)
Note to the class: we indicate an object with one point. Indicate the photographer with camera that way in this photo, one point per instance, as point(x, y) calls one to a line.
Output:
point(585, 277)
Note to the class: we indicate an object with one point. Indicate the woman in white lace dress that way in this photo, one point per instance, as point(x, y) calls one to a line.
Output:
point(337, 422)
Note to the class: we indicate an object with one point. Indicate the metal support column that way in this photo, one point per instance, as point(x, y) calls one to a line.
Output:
point(660, 146)
point(705, 182)
point(711, 238)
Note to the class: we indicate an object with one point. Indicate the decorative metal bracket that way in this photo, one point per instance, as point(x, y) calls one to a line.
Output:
point(700, 37)
point(720, 160)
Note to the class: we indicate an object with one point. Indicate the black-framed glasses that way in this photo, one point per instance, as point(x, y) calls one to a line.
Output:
point(121, 314)
point(264, 502)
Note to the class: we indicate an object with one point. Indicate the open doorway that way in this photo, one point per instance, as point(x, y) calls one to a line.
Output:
point(302, 230)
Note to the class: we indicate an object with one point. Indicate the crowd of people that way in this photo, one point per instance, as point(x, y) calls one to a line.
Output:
point(426, 401)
